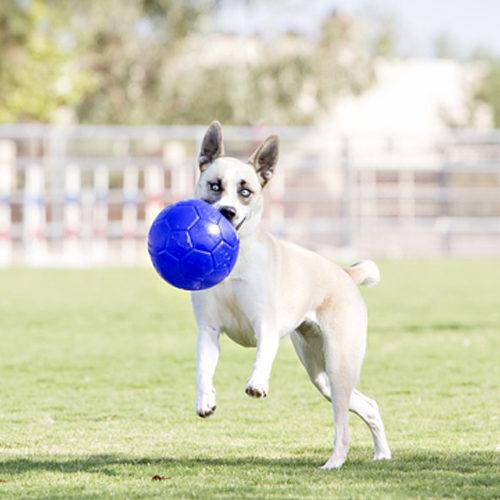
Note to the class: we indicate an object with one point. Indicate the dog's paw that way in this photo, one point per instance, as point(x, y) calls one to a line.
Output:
point(206, 412)
point(383, 454)
point(205, 405)
point(333, 464)
point(257, 389)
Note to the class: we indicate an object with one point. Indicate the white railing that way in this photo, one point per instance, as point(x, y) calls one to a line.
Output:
point(86, 195)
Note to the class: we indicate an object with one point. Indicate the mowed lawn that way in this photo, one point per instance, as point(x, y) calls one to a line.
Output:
point(97, 372)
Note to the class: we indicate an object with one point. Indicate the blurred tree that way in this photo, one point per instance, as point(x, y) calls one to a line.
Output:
point(156, 61)
point(488, 91)
point(129, 57)
point(342, 61)
point(37, 74)
point(445, 47)
point(287, 80)
point(384, 44)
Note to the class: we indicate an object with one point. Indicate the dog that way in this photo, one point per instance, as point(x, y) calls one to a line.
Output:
point(278, 288)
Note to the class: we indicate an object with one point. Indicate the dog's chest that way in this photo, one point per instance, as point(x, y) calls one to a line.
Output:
point(234, 316)
point(242, 300)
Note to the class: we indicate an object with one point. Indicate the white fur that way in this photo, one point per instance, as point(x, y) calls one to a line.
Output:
point(365, 273)
point(276, 289)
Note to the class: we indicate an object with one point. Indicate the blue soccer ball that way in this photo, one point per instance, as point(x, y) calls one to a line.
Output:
point(192, 245)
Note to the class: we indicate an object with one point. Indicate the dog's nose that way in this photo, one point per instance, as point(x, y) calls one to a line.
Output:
point(228, 212)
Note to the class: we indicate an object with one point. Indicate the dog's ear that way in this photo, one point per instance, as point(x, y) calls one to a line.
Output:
point(264, 159)
point(212, 146)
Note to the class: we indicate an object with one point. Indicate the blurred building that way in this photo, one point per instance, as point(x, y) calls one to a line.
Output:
point(413, 96)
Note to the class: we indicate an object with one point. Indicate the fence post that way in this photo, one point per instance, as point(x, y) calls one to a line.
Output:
point(7, 163)
point(406, 195)
point(174, 155)
point(72, 214)
point(154, 185)
point(277, 206)
point(35, 223)
point(347, 205)
point(56, 138)
point(129, 217)
point(100, 214)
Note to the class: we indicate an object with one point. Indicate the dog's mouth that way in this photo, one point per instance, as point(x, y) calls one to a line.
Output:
point(237, 227)
point(230, 215)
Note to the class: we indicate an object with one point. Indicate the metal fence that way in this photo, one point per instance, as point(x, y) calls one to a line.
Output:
point(86, 195)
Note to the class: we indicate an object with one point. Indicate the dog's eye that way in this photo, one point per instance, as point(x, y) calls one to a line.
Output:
point(214, 186)
point(245, 192)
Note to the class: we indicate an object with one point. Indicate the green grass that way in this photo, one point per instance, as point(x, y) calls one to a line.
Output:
point(97, 393)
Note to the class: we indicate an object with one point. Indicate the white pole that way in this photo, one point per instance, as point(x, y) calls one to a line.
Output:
point(34, 215)
point(72, 216)
point(154, 186)
point(276, 205)
point(406, 192)
point(100, 214)
point(130, 213)
point(174, 155)
point(7, 161)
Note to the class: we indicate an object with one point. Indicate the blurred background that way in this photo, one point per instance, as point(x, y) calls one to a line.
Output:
point(387, 113)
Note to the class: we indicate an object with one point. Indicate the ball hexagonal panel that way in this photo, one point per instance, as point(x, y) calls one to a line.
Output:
point(179, 243)
point(208, 213)
point(205, 235)
point(181, 216)
point(224, 256)
point(158, 236)
point(197, 264)
point(168, 267)
point(228, 232)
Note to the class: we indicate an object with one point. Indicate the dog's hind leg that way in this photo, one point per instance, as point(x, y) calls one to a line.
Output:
point(367, 409)
point(309, 347)
point(343, 325)
point(308, 343)
point(342, 369)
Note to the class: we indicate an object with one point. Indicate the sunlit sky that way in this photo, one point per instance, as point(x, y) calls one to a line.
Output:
point(468, 23)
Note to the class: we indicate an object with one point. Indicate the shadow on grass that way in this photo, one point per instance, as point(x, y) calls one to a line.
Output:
point(447, 327)
point(404, 461)
point(425, 328)
point(422, 473)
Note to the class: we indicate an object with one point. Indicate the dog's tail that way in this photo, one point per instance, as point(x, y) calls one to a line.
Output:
point(364, 273)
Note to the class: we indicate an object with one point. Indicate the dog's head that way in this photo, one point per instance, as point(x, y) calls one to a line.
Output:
point(234, 187)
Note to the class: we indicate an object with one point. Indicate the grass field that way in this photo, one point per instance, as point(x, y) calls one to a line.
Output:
point(97, 393)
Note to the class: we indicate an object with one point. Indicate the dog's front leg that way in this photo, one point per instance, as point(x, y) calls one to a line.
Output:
point(206, 362)
point(268, 341)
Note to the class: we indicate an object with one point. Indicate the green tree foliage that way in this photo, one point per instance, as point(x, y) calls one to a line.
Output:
point(384, 44)
point(38, 75)
point(156, 61)
point(288, 80)
point(489, 88)
point(129, 55)
point(342, 61)
point(445, 47)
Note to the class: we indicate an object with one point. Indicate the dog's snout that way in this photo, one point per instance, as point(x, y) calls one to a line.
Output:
point(228, 212)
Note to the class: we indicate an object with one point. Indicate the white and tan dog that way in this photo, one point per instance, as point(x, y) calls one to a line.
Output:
point(278, 288)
